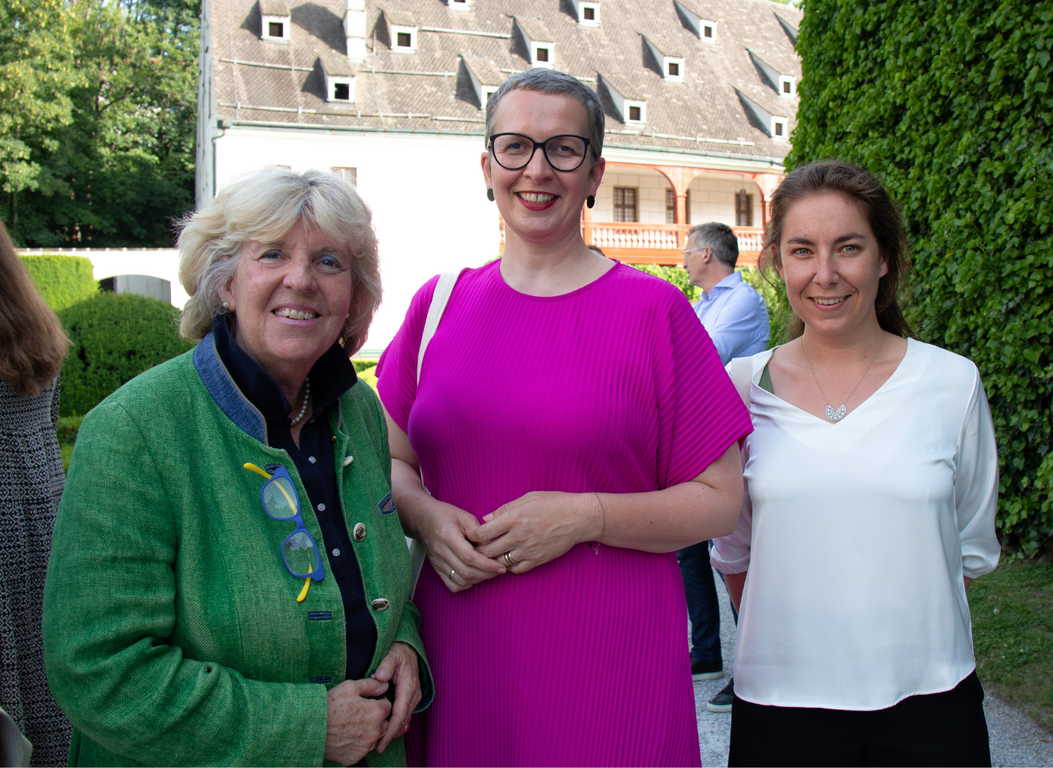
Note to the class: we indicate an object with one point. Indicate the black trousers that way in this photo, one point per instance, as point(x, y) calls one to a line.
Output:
point(946, 728)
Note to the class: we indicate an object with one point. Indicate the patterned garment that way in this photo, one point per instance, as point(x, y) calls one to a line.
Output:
point(31, 483)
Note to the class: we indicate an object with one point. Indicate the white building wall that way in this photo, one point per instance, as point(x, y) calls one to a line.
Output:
point(427, 194)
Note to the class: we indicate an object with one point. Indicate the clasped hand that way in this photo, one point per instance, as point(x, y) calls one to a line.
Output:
point(360, 719)
point(532, 530)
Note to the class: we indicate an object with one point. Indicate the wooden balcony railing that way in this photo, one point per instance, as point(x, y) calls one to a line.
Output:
point(636, 243)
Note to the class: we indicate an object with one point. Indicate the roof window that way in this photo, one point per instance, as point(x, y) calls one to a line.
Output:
point(588, 13)
point(275, 21)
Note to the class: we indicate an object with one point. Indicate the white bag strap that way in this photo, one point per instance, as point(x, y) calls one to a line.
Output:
point(438, 305)
point(741, 371)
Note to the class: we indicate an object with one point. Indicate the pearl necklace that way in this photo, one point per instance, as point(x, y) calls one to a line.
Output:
point(303, 410)
point(841, 411)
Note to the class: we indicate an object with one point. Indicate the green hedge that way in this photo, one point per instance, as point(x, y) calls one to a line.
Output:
point(61, 280)
point(115, 338)
point(951, 102)
point(675, 275)
point(774, 295)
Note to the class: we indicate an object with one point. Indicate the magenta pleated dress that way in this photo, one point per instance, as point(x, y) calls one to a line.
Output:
point(612, 388)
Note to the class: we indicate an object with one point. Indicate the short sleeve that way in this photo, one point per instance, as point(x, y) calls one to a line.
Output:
point(397, 369)
point(976, 486)
point(700, 413)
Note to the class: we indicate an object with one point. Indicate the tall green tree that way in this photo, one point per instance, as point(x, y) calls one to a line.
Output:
point(120, 167)
point(951, 102)
point(37, 73)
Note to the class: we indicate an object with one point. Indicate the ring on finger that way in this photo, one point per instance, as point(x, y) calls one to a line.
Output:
point(453, 572)
point(507, 557)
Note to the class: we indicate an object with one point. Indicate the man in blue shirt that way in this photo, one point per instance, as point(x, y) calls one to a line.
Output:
point(732, 312)
point(736, 319)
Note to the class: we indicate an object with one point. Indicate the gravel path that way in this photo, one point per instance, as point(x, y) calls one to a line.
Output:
point(1016, 740)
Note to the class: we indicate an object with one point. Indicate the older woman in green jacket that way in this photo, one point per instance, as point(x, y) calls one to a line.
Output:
point(229, 582)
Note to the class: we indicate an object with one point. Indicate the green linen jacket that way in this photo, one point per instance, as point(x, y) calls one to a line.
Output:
point(172, 635)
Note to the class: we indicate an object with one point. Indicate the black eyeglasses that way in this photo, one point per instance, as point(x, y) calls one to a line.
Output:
point(514, 150)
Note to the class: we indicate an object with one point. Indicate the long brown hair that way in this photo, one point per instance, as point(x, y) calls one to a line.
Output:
point(866, 191)
point(32, 342)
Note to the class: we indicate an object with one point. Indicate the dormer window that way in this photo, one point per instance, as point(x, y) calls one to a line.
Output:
point(274, 21)
point(405, 39)
point(461, 5)
point(669, 56)
point(485, 77)
point(401, 31)
point(539, 41)
point(339, 76)
point(706, 29)
point(784, 85)
point(588, 13)
point(631, 108)
point(776, 126)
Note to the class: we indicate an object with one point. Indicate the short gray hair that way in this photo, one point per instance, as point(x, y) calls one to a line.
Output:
point(557, 84)
point(263, 206)
point(720, 238)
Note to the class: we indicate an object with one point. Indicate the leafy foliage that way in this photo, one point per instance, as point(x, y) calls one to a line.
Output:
point(675, 275)
point(115, 338)
point(950, 102)
point(113, 163)
point(61, 280)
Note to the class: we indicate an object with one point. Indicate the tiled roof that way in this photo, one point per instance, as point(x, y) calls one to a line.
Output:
point(274, 8)
point(535, 29)
point(431, 90)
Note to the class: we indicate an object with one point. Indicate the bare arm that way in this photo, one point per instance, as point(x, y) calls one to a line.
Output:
point(443, 528)
point(541, 526)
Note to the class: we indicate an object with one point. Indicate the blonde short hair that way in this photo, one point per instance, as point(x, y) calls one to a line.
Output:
point(263, 206)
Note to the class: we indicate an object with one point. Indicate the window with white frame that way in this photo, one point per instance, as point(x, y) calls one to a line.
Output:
point(541, 54)
point(460, 5)
point(625, 208)
point(349, 175)
point(787, 86)
point(275, 29)
point(670, 207)
point(635, 112)
point(589, 14)
point(404, 39)
point(708, 31)
point(778, 129)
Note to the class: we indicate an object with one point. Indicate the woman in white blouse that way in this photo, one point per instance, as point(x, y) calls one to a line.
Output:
point(872, 482)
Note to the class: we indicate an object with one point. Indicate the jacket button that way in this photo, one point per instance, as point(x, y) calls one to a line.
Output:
point(380, 604)
point(359, 532)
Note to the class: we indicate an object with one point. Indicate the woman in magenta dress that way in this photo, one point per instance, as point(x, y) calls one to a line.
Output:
point(573, 427)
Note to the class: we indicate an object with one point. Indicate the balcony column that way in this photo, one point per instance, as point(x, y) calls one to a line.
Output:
point(766, 183)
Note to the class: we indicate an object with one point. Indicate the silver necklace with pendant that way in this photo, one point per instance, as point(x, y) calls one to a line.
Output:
point(841, 411)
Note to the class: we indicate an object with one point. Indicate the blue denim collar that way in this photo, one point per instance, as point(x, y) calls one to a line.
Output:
point(219, 383)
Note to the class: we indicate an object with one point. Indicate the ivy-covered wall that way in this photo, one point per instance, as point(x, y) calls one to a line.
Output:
point(951, 103)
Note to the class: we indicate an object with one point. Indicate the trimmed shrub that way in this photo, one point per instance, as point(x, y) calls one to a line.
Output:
point(950, 102)
point(115, 338)
point(361, 365)
point(61, 280)
point(675, 275)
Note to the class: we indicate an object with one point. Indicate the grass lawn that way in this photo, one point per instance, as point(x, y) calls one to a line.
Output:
point(1012, 612)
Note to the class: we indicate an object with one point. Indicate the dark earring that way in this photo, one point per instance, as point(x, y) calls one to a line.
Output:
point(590, 201)
point(489, 194)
